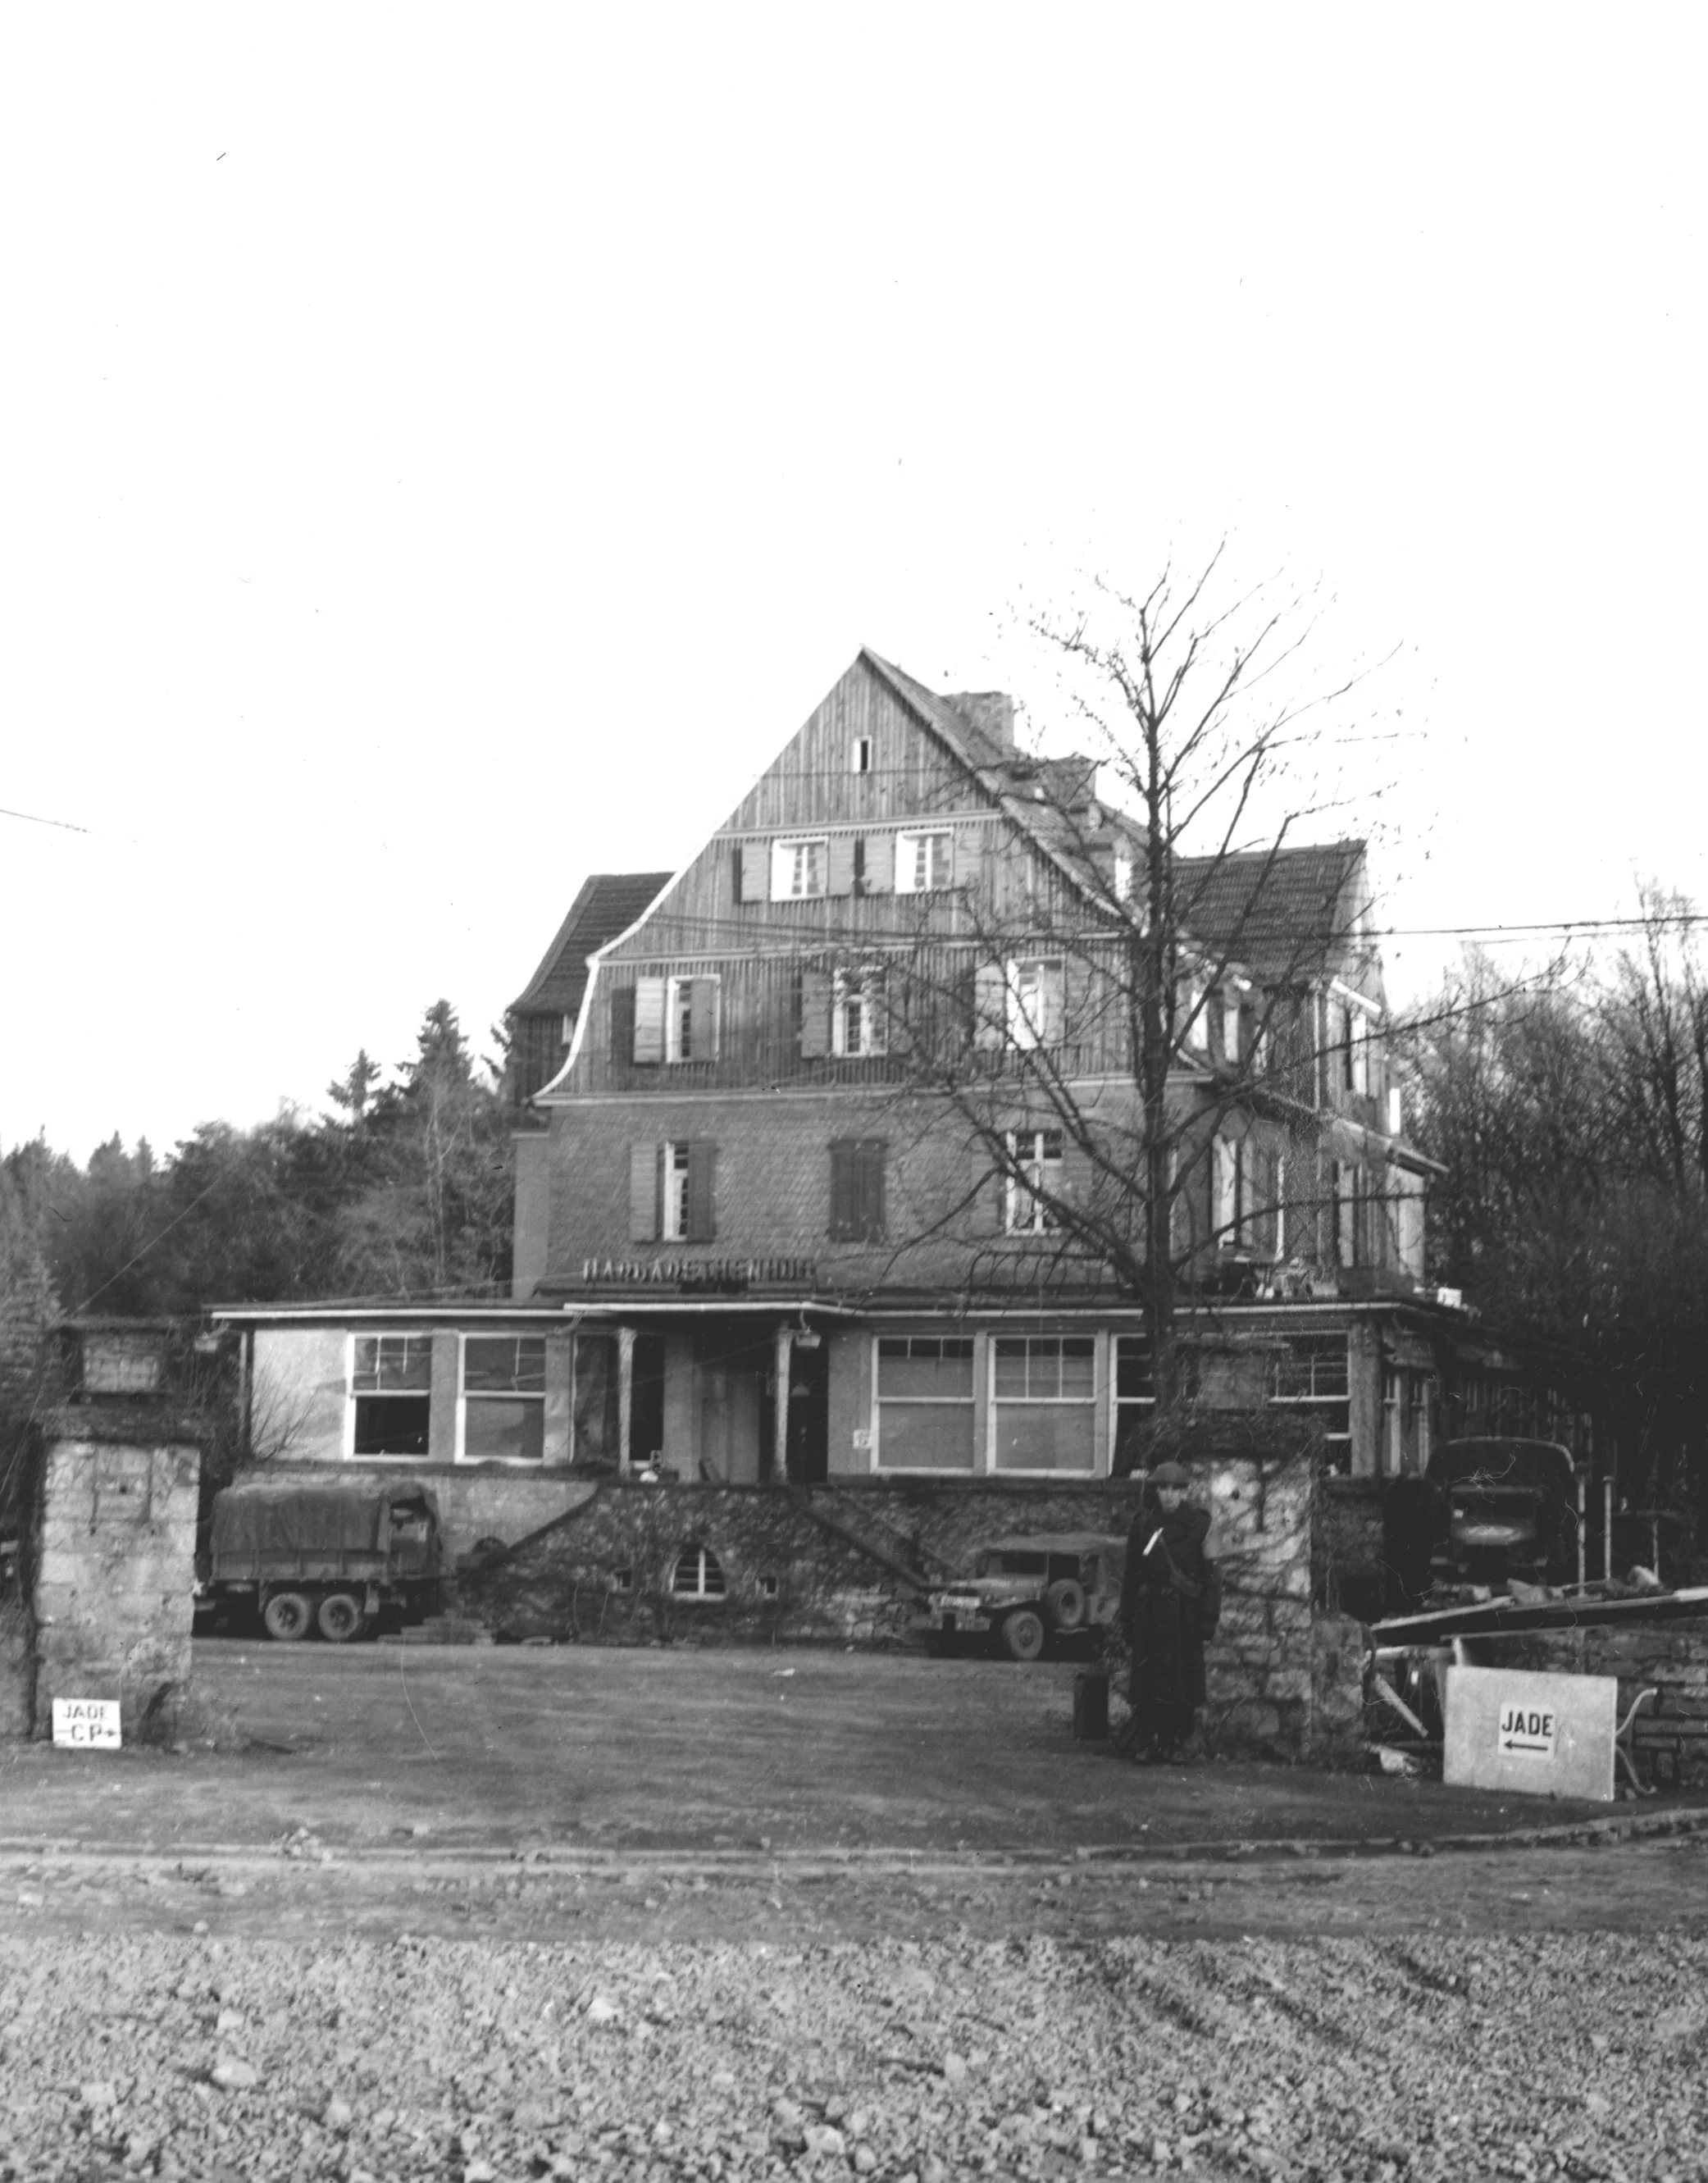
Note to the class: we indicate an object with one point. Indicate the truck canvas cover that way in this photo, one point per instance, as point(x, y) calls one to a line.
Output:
point(281, 1523)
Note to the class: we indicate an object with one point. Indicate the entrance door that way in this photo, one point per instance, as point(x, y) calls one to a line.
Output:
point(809, 1413)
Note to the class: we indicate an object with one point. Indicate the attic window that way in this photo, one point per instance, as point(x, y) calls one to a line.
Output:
point(566, 1031)
point(862, 759)
point(699, 1574)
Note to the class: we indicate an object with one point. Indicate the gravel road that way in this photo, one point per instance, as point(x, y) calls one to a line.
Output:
point(1571, 2055)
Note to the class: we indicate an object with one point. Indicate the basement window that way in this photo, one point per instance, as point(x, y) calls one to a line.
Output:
point(699, 1574)
point(621, 1580)
point(768, 1587)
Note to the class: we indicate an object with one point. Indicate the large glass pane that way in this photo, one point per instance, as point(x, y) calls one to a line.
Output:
point(495, 1431)
point(925, 1437)
point(1011, 1369)
point(390, 1364)
point(505, 1363)
point(1044, 1436)
point(1079, 1369)
point(392, 1425)
point(924, 1367)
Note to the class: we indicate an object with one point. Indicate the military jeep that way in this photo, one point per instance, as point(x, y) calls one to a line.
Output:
point(1026, 1590)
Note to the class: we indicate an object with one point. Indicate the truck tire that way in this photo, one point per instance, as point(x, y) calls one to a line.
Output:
point(1023, 1634)
point(1064, 1605)
point(288, 1616)
point(340, 1617)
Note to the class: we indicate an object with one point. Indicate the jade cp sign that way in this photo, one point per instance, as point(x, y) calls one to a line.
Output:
point(1543, 1735)
point(86, 1723)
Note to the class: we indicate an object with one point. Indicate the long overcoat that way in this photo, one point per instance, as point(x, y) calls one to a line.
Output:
point(1162, 1605)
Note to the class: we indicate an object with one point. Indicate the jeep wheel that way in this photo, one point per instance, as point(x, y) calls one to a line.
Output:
point(1023, 1634)
point(340, 1618)
point(1064, 1605)
point(288, 1616)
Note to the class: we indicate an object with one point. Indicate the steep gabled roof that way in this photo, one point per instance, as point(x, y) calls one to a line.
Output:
point(609, 902)
point(1283, 913)
point(1048, 798)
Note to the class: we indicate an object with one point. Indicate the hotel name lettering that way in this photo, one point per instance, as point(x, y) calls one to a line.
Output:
point(698, 1273)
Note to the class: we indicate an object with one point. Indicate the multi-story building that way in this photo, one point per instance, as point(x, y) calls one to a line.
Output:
point(843, 1175)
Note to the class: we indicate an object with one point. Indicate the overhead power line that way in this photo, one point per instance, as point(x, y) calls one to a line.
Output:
point(34, 819)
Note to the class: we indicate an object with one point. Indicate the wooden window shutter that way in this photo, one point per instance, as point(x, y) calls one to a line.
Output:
point(815, 1014)
point(702, 1019)
point(623, 1024)
point(649, 1019)
point(868, 1168)
point(880, 860)
point(844, 1196)
point(990, 1006)
point(753, 860)
point(643, 1193)
point(840, 880)
point(702, 1192)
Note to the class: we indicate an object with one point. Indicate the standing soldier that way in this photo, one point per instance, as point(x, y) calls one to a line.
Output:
point(1170, 1602)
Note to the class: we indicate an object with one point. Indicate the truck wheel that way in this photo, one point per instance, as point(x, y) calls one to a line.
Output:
point(1064, 1604)
point(287, 1616)
point(340, 1617)
point(1023, 1634)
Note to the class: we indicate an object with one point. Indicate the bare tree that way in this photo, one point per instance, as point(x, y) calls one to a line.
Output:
point(1148, 1017)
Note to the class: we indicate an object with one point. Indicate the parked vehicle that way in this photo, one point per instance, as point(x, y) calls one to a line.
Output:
point(1025, 1590)
point(1502, 1508)
point(331, 1557)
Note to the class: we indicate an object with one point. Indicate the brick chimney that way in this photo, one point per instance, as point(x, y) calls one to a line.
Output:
point(990, 711)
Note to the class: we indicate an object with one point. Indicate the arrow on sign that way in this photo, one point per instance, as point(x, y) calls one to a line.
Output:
point(1522, 1743)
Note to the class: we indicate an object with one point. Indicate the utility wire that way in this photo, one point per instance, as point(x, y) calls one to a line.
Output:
point(33, 819)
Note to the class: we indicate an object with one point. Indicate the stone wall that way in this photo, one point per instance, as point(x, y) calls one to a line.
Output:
point(846, 1562)
point(1671, 1736)
point(113, 1564)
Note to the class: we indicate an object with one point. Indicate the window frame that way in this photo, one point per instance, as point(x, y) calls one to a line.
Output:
point(910, 842)
point(790, 845)
point(968, 1402)
point(995, 1404)
point(861, 752)
point(521, 1463)
point(678, 1018)
point(1019, 1197)
point(866, 984)
point(675, 1173)
point(1023, 1033)
point(705, 1560)
point(353, 1394)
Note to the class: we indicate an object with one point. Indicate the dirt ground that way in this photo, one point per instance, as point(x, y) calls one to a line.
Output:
point(800, 1795)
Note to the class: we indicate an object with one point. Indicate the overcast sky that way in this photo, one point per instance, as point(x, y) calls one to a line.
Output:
point(447, 451)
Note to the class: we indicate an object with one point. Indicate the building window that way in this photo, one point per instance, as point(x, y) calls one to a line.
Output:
point(923, 1407)
point(1135, 1398)
point(621, 1579)
point(856, 1013)
point(690, 1020)
point(1043, 1392)
point(503, 1398)
point(391, 1393)
point(925, 862)
point(1035, 996)
point(862, 756)
point(698, 1575)
point(1032, 1183)
point(565, 1029)
point(857, 1189)
point(673, 1191)
point(1313, 1374)
point(799, 868)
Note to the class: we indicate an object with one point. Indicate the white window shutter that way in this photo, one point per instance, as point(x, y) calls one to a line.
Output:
point(649, 1018)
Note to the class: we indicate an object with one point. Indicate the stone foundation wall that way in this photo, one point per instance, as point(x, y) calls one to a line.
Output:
point(840, 1562)
point(1671, 1737)
point(114, 1563)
